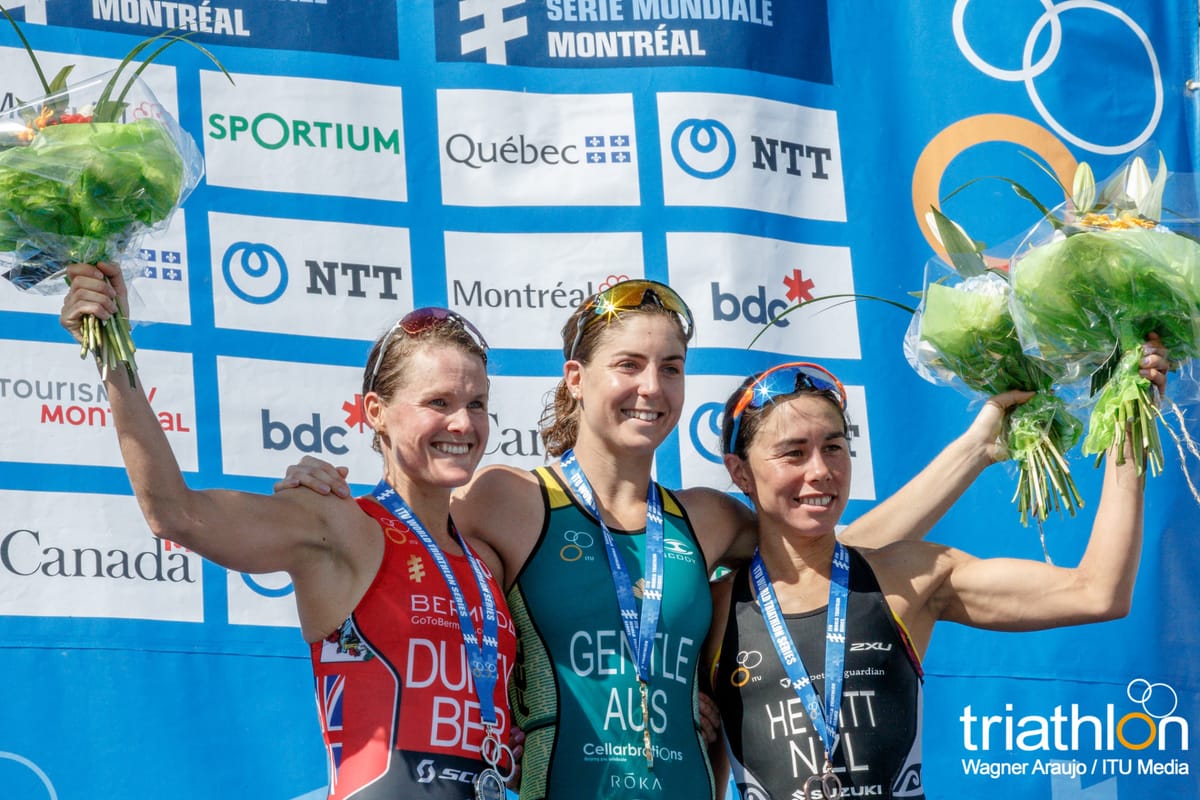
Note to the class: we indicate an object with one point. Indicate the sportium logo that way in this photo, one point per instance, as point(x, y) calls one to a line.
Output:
point(762, 304)
point(313, 434)
point(271, 131)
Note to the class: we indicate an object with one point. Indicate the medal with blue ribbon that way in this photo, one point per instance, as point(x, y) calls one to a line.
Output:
point(826, 721)
point(483, 651)
point(639, 629)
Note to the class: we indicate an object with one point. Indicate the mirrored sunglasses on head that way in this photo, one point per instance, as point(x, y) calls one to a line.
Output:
point(628, 295)
point(420, 320)
point(782, 381)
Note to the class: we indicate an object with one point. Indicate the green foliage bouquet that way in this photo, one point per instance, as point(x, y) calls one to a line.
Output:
point(963, 335)
point(85, 171)
point(1087, 296)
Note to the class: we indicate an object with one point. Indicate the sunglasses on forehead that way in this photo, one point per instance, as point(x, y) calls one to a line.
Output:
point(418, 321)
point(782, 381)
point(626, 296)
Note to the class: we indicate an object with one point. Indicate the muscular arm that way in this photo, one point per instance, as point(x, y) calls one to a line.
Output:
point(1016, 595)
point(240, 531)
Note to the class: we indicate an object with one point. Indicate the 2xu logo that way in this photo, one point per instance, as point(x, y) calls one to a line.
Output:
point(755, 308)
point(307, 437)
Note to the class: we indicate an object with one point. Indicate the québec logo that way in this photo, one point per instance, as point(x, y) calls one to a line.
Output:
point(163, 265)
point(313, 435)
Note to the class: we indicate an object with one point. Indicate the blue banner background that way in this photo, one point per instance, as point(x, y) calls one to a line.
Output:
point(113, 708)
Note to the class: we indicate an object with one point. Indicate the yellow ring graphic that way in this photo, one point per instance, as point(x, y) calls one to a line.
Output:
point(966, 133)
point(740, 677)
point(578, 552)
point(1121, 730)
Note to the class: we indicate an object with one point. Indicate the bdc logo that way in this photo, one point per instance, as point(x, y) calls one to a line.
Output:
point(759, 307)
point(313, 435)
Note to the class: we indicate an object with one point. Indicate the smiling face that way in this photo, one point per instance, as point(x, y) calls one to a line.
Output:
point(434, 427)
point(631, 389)
point(797, 466)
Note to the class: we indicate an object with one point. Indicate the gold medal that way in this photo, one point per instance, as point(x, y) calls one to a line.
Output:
point(646, 724)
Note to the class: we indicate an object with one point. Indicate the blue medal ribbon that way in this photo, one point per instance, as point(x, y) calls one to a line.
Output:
point(826, 721)
point(484, 660)
point(640, 629)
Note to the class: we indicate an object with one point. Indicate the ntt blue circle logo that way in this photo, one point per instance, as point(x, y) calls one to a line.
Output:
point(267, 591)
point(705, 424)
point(709, 150)
point(255, 272)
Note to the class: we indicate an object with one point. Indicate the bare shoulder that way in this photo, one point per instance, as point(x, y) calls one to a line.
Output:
point(727, 529)
point(502, 509)
point(498, 489)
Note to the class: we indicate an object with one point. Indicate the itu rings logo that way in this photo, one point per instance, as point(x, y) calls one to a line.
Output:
point(746, 661)
point(255, 272)
point(703, 148)
point(577, 542)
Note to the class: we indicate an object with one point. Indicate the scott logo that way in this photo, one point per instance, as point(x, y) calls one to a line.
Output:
point(255, 272)
point(307, 437)
point(707, 152)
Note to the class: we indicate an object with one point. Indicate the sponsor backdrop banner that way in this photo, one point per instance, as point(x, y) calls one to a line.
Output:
point(506, 159)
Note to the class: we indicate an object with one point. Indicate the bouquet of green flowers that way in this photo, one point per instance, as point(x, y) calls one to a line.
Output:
point(1088, 295)
point(963, 335)
point(82, 179)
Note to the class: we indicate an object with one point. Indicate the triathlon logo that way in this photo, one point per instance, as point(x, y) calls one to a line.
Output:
point(703, 148)
point(705, 431)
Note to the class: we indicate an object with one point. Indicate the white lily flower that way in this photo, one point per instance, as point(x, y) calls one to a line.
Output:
point(1083, 193)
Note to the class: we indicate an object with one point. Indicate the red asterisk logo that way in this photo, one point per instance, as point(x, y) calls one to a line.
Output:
point(798, 287)
point(356, 415)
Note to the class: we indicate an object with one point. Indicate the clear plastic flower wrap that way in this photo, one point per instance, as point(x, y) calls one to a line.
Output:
point(76, 188)
point(963, 335)
point(1088, 295)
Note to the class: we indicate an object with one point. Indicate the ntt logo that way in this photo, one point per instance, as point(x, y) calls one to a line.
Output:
point(255, 272)
point(703, 148)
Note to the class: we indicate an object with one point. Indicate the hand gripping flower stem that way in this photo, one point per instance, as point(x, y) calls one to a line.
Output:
point(1126, 411)
point(1038, 433)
